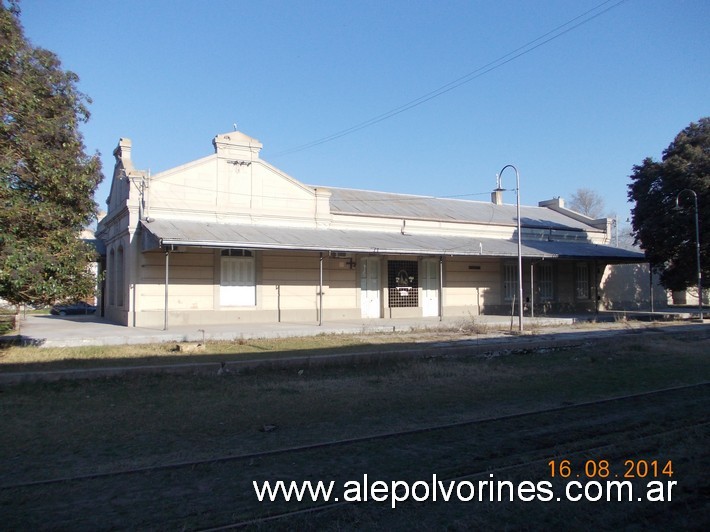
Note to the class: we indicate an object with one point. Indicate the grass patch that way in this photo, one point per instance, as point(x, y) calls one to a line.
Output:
point(14, 358)
point(28, 358)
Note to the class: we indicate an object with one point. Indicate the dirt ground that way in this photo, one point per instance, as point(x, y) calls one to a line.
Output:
point(162, 451)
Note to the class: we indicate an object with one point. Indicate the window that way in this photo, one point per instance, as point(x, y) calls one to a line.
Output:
point(544, 281)
point(120, 290)
point(110, 270)
point(582, 281)
point(236, 253)
point(510, 281)
point(238, 280)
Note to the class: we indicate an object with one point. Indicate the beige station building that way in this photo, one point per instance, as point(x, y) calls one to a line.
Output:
point(229, 238)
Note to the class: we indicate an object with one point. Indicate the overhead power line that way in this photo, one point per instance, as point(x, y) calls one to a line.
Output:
point(551, 35)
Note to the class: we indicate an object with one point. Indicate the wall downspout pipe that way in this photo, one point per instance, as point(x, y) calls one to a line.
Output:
point(167, 283)
point(532, 290)
point(320, 293)
point(441, 288)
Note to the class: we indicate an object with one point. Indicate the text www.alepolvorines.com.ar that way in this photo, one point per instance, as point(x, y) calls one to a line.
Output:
point(490, 490)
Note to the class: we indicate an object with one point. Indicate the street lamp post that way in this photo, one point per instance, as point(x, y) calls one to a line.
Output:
point(520, 244)
point(697, 246)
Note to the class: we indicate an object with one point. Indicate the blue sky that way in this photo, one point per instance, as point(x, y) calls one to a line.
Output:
point(578, 111)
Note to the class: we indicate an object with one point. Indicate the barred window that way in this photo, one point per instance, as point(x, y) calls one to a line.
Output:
point(582, 281)
point(403, 283)
point(510, 281)
point(544, 281)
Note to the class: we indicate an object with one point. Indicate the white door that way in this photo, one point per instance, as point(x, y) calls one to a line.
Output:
point(430, 288)
point(370, 287)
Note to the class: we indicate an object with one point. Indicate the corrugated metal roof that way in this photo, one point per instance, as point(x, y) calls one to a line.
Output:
point(202, 234)
point(364, 202)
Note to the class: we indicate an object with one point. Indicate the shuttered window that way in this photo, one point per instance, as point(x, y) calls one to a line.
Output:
point(120, 266)
point(238, 282)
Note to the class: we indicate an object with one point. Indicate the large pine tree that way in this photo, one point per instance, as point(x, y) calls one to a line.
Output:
point(663, 217)
point(48, 181)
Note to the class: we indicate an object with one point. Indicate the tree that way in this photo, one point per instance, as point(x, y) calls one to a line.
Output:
point(587, 202)
point(667, 232)
point(47, 181)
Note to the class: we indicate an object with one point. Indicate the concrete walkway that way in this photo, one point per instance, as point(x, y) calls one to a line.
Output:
point(73, 331)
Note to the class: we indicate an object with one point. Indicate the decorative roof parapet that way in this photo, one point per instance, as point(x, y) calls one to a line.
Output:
point(237, 146)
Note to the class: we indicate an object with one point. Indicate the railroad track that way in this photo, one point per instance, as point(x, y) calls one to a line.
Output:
point(542, 460)
point(219, 489)
point(351, 441)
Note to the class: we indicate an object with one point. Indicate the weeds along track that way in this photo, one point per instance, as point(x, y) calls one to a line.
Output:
point(219, 492)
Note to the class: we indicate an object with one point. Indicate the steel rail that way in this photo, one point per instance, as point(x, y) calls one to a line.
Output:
point(488, 471)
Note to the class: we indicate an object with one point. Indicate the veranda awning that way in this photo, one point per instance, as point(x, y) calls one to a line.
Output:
point(163, 233)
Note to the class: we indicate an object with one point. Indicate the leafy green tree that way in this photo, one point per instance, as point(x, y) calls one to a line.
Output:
point(667, 232)
point(48, 182)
